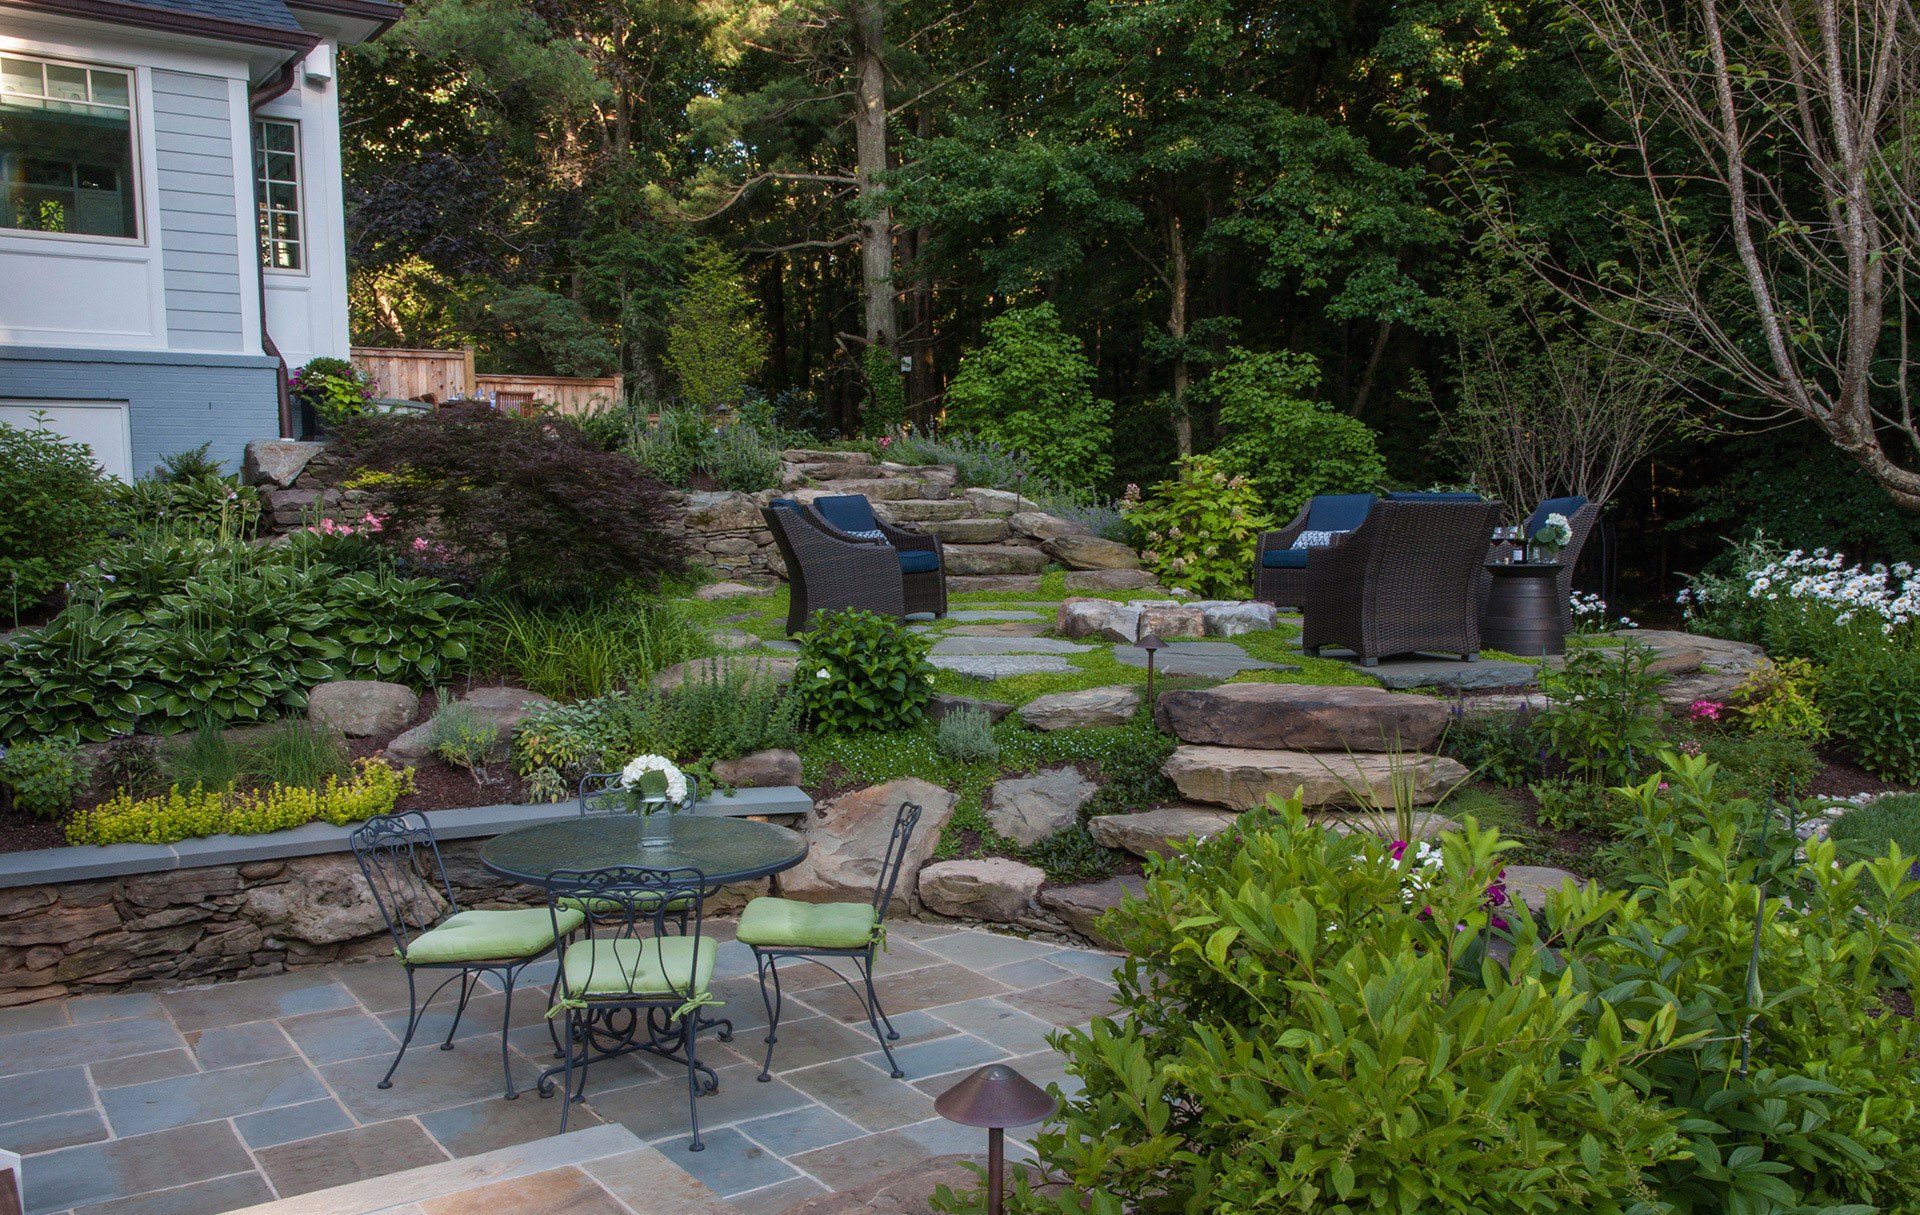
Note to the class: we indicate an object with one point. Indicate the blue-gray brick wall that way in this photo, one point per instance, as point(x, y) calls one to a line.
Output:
point(199, 232)
point(174, 401)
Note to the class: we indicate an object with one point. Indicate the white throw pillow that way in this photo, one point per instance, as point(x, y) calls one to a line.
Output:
point(1311, 539)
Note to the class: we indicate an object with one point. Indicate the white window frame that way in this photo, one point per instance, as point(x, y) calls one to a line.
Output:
point(136, 171)
point(264, 212)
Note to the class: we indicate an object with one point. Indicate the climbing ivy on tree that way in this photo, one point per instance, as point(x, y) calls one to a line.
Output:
point(1030, 388)
point(715, 342)
point(1288, 445)
point(887, 404)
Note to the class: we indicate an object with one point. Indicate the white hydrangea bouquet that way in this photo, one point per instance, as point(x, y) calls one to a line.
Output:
point(653, 783)
point(1553, 535)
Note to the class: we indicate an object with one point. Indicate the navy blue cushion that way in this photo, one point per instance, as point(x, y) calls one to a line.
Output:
point(848, 512)
point(1285, 558)
point(1338, 512)
point(1421, 495)
point(919, 561)
point(1553, 506)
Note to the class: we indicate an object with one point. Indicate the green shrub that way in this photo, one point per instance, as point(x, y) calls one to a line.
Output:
point(530, 506)
point(334, 389)
point(55, 516)
point(743, 458)
point(1870, 698)
point(239, 648)
point(1497, 747)
point(1198, 532)
point(132, 763)
point(374, 788)
point(1767, 763)
point(965, 735)
point(1865, 832)
point(1571, 805)
point(1781, 698)
point(86, 675)
point(674, 447)
point(458, 736)
point(1030, 389)
point(1288, 445)
point(44, 776)
point(588, 649)
point(193, 464)
point(209, 507)
point(861, 671)
point(404, 630)
point(715, 341)
point(1601, 720)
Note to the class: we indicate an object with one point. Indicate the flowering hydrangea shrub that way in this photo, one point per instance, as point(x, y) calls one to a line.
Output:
point(1197, 532)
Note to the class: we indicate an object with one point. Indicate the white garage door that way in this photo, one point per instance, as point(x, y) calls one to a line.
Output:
point(101, 425)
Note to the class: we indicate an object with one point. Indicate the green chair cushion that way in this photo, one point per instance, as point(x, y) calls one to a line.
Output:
point(618, 907)
point(788, 924)
point(485, 936)
point(656, 966)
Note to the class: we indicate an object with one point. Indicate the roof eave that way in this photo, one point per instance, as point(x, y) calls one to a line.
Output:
point(142, 16)
point(371, 18)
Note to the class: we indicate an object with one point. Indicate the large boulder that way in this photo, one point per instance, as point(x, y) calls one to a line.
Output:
point(759, 770)
point(724, 511)
point(1241, 778)
point(1109, 580)
point(277, 463)
point(1228, 618)
point(815, 455)
point(1302, 717)
point(1097, 618)
point(1080, 907)
point(994, 559)
point(847, 840)
point(777, 667)
point(967, 531)
point(1685, 653)
point(923, 510)
point(1111, 706)
point(361, 708)
point(1678, 694)
point(1092, 553)
point(329, 903)
point(1157, 831)
point(503, 707)
point(1531, 884)
point(1038, 525)
point(1172, 621)
point(1028, 809)
point(994, 888)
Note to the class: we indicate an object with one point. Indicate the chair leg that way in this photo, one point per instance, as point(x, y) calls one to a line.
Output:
point(1311, 651)
point(772, 1001)
point(553, 1032)
point(875, 1016)
point(413, 1023)
point(689, 1025)
point(468, 981)
point(506, 1024)
point(566, 1089)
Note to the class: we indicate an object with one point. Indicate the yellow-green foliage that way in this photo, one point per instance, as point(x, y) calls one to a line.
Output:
point(180, 814)
point(1779, 698)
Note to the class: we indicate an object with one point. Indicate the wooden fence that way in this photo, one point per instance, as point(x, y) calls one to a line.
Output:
point(445, 375)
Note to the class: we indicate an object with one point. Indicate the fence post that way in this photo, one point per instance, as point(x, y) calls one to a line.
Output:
point(471, 384)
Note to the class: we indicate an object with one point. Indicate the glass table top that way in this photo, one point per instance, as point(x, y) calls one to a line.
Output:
point(721, 848)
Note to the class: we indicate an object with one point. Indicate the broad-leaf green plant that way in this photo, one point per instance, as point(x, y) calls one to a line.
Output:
point(861, 671)
point(1198, 531)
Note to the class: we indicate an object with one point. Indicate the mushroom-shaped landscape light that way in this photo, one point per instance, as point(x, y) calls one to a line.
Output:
point(995, 1097)
point(1152, 644)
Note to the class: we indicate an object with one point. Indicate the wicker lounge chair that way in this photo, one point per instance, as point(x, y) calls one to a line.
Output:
point(923, 566)
point(1279, 569)
point(827, 571)
point(1404, 580)
point(1581, 516)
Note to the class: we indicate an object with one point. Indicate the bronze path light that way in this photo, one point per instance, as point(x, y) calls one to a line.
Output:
point(995, 1097)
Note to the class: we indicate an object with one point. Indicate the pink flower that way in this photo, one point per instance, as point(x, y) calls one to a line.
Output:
point(1399, 849)
point(373, 521)
point(1708, 710)
point(419, 544)
point(886, 441)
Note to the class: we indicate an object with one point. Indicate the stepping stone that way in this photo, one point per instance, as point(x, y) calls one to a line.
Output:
point(1206, 659)
point(943, 704)
point(1241, 778)
point(1098, 618)
point(1078, 552)
point(923, 510)
point(1003, 667)
point(960, 583)
point(1157, 831)
point(1006, 628)
point(978, 615)
point(967, 531)
point(1111, 706)
point(1531, 884)
point(734, 639)
point(1080, 906)
point(1302, 717)
point(1109, 580)
point(780, 669)
point(728, 590)
point(1028, 809)
point(982, 647)
point(1451, 674)
point(1232, 617)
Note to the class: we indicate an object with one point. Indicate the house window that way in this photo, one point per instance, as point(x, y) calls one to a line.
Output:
point(66, 149)
point(276, 184)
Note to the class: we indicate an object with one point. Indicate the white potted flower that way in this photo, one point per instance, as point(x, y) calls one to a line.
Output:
point(1552, 536)
point(655, 790)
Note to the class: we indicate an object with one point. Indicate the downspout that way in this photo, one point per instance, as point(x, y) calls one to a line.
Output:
point(276, 87)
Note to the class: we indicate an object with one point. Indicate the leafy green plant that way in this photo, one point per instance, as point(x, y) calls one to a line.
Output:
point(193, 464)
point(44, 776)
point(1498, 747)
point(1073, 855)
point(1766, 763)
point(742, 457)
point(373, 788)
point(965, 735)
point(238, 648)
point(55, 518)
point(674, 447)
point(1781, 698)
point(861, 671)
point(1287, 444)
point(85, 675)
point(1578, 806)
point(1601, 720)
point(584, 650)
point(886, 394)
point(336, 390)
point(458, 736)
point(715, 341)
point(1865, 832)
point(407, 630)
point(1198, 531)
point(1868, 696)
point(213, 507)
point(295, 752)
point(1030, 389)
point(132, 763)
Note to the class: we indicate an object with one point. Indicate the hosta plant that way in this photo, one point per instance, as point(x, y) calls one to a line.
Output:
point(85, 675)
point(406, 630)
point(861, 671)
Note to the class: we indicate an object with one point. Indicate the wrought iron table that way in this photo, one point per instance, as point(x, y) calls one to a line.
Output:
point(724, 850)
point(1522, 615)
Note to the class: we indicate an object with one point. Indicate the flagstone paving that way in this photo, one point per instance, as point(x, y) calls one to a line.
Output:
point(219, 1097)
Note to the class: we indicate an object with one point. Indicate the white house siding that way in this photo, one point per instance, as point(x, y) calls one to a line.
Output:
point(307, 309)
point(199, 231)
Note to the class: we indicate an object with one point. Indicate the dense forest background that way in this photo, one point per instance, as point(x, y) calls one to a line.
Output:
point(1188, 183)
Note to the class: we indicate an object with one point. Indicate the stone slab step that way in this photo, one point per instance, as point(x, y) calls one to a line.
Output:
point(923, 510)
point(967, 531)
point(1156, 831)
point(590, 1170)
point(958, 583)
point(1302, 717)
point(968, 559)
point(1081, 906)
point(1241, 778)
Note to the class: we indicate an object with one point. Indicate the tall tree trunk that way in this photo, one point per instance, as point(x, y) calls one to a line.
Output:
point(1373, 367)
point(870, 152)
point(1177, 330)
point(776, 297)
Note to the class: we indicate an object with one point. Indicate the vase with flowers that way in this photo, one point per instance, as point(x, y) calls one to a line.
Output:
point(1554, 534)
point(655, 790)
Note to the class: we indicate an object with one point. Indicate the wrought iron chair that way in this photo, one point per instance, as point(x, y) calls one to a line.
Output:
point(601, 793)
point(401, 861)
point(776, 928)
point(629, 984)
